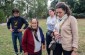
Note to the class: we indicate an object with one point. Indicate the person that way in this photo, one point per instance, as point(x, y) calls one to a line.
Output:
point(51, 21)
point(33, 40)
point(56, 36)
point(67, 29)
point(15, 24)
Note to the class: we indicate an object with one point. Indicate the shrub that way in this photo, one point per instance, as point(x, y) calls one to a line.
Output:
point(81, 15)
point(2, 16)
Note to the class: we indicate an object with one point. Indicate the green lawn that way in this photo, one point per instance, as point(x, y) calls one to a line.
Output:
point(6, 47)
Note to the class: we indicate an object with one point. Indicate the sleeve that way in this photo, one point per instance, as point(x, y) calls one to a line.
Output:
point(42, 38)
point(24, 41)
point(47, 21)
point(26, 23)
point(55, 21)
point(8, 23)
point(74, 27)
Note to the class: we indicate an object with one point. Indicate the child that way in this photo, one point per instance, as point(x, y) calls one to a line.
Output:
point(56, 36)
point(15, 24)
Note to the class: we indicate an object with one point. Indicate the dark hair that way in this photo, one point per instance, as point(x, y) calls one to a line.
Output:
point(15, 10)
point(52, 9)
point(64, 7)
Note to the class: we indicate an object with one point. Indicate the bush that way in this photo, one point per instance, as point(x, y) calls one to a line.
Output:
point(81, 15)
point(2, 16)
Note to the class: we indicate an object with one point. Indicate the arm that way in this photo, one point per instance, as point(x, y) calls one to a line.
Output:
point(74, 28)
point(43, 39)
point(8, 23)
point(26, 24)
point(24, 42)
point(47, 21)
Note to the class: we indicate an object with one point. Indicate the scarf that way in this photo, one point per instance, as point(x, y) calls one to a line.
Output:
point(35, 33)
point(60, 22)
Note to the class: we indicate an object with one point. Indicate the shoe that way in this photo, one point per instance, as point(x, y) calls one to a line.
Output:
point(16, 54)
point(21, 54)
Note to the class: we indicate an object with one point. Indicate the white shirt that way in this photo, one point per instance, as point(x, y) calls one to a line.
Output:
point(51, 21)
point(37, 43)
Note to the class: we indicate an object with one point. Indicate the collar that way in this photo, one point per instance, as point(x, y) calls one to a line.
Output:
point(63, 18)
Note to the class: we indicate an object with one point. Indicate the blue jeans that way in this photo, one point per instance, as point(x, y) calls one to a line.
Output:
point(14, 39)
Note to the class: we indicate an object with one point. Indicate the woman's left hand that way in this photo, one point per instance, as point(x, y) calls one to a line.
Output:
point(43, 47)
point(74, 53)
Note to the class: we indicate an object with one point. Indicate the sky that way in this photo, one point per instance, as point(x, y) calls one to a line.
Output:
point(49, 2)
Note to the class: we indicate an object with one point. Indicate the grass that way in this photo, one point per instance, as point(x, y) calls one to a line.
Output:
point(6, 47)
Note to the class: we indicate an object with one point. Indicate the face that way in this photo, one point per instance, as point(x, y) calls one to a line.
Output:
point(55, 33)
point(60, 12)
point(51, 13)
point(34, 24)
point(16, 14)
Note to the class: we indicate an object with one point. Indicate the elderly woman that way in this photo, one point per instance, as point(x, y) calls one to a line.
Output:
point(67, 28)
point(33, 39)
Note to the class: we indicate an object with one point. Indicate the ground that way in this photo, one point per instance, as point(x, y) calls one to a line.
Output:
point(6, 47)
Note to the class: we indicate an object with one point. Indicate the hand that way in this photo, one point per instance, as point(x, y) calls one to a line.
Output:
point(43, 46)
point(25, 53)
point(74, 53)
point(20, 30)
point(58, 36)
point(11, 30)
point(74, 49)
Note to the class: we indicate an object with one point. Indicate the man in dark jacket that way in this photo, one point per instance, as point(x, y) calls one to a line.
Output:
point(15, 24)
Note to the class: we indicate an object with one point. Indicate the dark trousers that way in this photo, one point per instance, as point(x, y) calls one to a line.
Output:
point(59, 50)
point(48, 40)
point(16, 36)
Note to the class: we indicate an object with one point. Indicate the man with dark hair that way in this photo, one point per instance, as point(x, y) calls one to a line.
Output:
point(15, 24)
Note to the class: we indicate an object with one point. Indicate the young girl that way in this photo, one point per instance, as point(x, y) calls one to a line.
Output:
point(51, 21)
point(56, 36)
